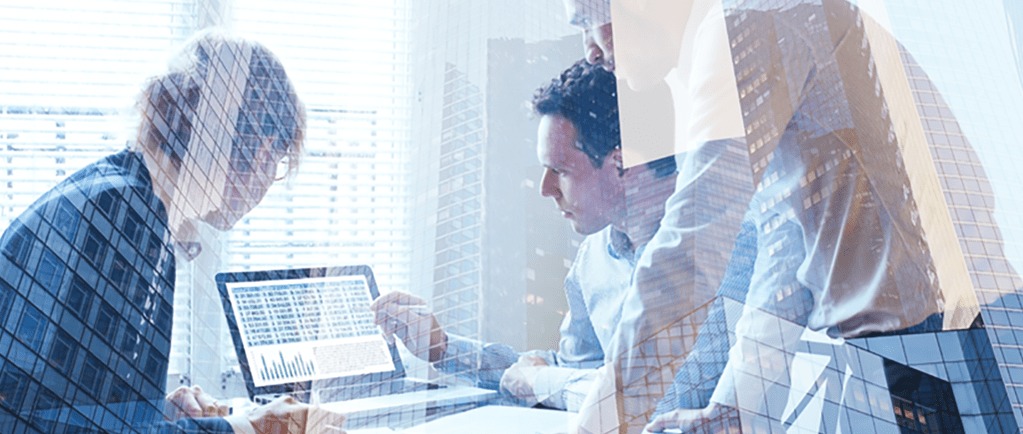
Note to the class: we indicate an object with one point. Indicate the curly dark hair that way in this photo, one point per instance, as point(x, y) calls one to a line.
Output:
point(587, 96)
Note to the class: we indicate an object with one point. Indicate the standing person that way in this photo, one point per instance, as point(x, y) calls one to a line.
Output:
point(708, 243)
point(578, 147)
point(839, 245)
point(87, 271)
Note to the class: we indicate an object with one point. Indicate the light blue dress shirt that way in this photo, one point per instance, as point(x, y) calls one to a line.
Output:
point(595, 287)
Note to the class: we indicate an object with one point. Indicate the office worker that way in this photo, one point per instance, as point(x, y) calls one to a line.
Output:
point(718, 261)
point(578, 147)
point(87, 271)
point(839, 245)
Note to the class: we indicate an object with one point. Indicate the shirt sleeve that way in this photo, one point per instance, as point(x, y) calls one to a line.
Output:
point(563, 388)
point(479, 362)
point(579, 346)
point(578, 349)
point(698, 376)
point(566, 381)
point(682, 267)
point(843, 248)
point(206, 425)
point(670, 296)
point(770, 322)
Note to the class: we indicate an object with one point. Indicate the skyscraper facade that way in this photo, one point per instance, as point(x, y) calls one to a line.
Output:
point(952, 201)
point(491, 250)
point(420, 163)
point(347, 205)
point(888, 83)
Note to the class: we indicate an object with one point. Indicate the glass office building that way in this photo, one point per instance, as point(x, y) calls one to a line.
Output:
point(887, 73)
point(483, 237)
point(872, 185)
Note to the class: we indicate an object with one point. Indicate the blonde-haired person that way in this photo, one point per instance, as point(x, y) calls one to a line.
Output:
point(87, 272)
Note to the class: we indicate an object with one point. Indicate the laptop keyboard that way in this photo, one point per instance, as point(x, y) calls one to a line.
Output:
point(378, 389)
point(336, 394)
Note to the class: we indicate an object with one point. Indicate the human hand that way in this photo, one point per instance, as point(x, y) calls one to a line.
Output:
point(519, 378)
point(408, 317)
point(685, 419)
point(286, 415)
point(192, 402)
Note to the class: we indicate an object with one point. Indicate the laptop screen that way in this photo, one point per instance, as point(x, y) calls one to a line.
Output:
point(292, 327)
point(308, 329)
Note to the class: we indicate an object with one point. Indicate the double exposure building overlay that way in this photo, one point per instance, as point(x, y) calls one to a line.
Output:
point(420, 163)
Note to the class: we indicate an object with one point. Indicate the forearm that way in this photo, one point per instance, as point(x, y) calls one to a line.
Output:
point(479, 362)
point(766, 342)
point(698, 376)
point(563, 388)
point(205, 425)
point(676, 278)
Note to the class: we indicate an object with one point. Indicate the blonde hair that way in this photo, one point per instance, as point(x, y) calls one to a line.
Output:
point(242, 91)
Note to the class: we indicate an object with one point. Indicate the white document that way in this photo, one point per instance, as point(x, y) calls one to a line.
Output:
point(495, 419)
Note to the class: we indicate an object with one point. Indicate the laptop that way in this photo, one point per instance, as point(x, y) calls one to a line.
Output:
point(309, 333)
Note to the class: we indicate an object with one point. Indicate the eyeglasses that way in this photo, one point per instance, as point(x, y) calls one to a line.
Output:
point(257, 159)
point(283, 168)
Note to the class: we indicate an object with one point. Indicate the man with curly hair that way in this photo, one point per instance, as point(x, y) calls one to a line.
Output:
point(579, 147)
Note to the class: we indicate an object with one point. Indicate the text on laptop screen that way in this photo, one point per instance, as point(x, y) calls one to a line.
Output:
point(308, 329)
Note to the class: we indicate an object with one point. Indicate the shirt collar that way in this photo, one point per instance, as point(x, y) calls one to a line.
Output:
point(618, 245)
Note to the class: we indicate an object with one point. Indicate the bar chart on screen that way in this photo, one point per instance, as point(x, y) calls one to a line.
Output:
point(308, 329)
point(280, 368)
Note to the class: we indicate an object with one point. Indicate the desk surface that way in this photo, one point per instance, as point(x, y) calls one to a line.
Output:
point(496, 419)
point(449, 396)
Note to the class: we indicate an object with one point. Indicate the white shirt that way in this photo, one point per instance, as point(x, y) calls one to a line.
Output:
point(839, 242)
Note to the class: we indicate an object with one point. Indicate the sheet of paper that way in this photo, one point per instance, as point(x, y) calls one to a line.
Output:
point(497, 419)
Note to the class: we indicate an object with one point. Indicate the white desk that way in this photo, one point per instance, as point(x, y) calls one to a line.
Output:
point(496, 419)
